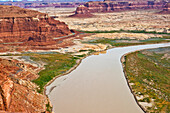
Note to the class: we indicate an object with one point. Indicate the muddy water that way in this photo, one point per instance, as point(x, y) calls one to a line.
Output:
point(97, 85)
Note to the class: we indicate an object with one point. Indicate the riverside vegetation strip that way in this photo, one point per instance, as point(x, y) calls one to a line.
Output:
point(117, 43)
point(148, 73)
point(126, 31)
point(56, 64)
point(126, 41)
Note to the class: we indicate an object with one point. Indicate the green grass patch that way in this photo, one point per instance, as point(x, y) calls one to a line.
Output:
point(113, 31)
point(143, 31)
point(82, 50)
point(48, 107)
point(56, 64)
point(80, 55)
point(166, 37)
point(127, 31)
point(120, 43)
point(103, 41)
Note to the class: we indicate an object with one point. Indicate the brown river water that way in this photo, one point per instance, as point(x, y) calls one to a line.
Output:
point(97, 85)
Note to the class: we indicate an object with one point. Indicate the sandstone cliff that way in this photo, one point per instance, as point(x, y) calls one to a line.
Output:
point(21, 25)
point(112, 5)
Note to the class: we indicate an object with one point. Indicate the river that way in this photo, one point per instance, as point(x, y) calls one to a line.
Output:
point(97, 85)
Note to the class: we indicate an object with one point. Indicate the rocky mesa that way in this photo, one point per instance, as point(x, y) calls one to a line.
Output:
point(19, 25)
point(119, 5)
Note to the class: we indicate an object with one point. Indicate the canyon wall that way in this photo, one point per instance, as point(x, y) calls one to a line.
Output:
point(113, 5)
point(21, 25)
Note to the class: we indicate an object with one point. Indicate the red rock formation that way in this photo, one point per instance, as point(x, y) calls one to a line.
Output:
point(21, 25)
point(82, 11)
point(17, 93)
point(118, 5)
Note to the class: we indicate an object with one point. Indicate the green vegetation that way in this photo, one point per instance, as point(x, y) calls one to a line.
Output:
point(56, 64)
point(127, 31)
point(149, 71)
point(103, 41)
point(82, 50)
point(143, 31)
point(49, 108)
point(114, 31)
point(166, 37)
point(128, 42)
point(90, 50)
point(81, 55)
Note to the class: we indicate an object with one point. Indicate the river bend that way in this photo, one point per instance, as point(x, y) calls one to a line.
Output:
point(97, 85)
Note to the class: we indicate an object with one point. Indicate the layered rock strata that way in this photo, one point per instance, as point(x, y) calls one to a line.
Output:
point(112, 5)
point(82, 11)
point(21, 25)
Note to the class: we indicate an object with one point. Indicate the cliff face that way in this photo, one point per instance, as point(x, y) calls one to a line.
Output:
point(109, 6)
point(20, 25)
point(17, 93)
point(26, 29)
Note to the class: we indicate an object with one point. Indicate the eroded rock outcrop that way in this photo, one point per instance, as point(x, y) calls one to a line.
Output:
point(17, 93)
point(21, 25)
point(82, 11)
point(118, 5)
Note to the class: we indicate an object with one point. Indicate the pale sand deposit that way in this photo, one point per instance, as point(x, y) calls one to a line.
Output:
point(147, 20)
point(129, 20)
point(137, 36)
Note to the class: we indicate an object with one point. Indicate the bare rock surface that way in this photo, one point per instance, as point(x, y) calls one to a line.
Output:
point(17, 93)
